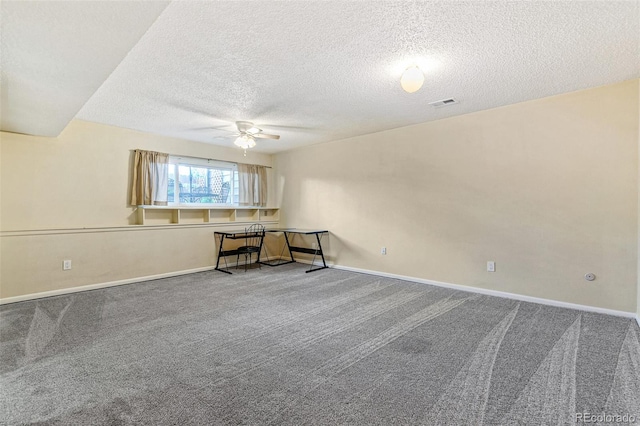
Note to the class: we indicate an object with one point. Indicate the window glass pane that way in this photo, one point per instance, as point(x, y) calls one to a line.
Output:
point(204, 185)
point(171, 184)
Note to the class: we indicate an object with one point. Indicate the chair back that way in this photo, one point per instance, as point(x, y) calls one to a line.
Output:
point(255, 235)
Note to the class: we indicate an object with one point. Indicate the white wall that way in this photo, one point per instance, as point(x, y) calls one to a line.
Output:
point(547, 189)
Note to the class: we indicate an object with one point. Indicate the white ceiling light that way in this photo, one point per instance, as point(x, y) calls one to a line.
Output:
point(245, 142)
point(248, 134)
point(412, 79)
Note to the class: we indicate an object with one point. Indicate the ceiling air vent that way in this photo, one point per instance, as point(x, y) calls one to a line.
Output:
point(443, 102)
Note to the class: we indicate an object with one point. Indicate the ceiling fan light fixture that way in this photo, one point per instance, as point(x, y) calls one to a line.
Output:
point(412, 79)
point(245, 142)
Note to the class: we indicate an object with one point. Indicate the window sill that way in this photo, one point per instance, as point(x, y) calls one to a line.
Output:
point(202, 207)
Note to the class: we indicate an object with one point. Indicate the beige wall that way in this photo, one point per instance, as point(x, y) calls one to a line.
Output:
point(80, 180)
point(547, 189)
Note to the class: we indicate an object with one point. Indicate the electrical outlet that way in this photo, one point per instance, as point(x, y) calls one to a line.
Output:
point(491, 266)
point(66, 265)
point(383, 250)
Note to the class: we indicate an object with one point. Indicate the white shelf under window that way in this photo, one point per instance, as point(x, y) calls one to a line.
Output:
point(163, 215)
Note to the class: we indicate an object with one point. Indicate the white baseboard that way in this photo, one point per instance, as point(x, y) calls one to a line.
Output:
point(99, 285)
point(460, 287)
point(69, 290)
point(496, 293)
point(487, 292)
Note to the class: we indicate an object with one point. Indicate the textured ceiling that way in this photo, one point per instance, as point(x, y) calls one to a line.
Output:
point(316, 71)
point(55, 55)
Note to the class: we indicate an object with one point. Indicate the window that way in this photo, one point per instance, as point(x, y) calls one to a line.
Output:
point(200, 181)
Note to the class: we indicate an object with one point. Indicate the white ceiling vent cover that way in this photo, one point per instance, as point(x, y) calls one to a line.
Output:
point(443, 102)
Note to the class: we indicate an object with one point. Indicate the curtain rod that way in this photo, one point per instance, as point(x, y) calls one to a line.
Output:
point(213, 159)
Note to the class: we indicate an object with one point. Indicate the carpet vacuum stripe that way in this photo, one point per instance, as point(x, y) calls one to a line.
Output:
point(341, 362)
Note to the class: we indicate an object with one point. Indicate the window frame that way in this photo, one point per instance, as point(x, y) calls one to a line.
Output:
point(175, 162)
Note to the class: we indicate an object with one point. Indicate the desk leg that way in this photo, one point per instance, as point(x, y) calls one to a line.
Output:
point(318, 251)
point(260, 250)
point(288, 246)
point(286, 238)
point(219, 255)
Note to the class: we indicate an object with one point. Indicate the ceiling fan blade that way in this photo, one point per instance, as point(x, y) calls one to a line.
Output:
point(216, 128)
point(276, 127)
point(265, 136)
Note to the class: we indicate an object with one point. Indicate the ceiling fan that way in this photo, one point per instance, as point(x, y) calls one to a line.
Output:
point(247, 134)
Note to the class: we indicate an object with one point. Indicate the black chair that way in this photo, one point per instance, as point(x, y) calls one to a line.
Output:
point(253, 244)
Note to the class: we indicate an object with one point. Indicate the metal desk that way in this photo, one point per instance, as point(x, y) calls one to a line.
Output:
point(314, 251)
point(235, 235)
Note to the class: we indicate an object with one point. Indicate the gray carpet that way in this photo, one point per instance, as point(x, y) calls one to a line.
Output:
point(278, 346)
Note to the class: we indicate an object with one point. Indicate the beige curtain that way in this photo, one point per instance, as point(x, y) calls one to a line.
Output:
point(150, 178)
point(252, 180)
